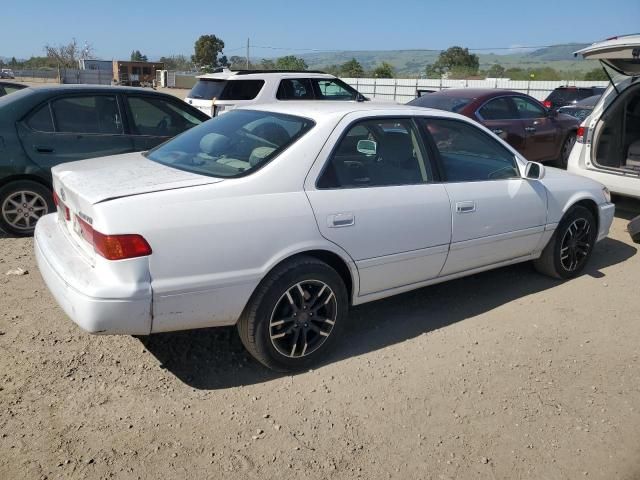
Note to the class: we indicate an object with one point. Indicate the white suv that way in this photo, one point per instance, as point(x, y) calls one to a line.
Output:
point(608, 143)
point(223, 90)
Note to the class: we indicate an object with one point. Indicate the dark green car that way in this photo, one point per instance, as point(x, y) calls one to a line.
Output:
point(42, 127)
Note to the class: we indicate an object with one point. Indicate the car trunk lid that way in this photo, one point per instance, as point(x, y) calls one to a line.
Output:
point(79, 186)
point(620, 54)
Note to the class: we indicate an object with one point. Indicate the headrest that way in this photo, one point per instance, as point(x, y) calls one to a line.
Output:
point(213, 143)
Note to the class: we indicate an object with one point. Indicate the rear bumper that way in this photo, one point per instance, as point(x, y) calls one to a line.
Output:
point(607, 210)
point(76, 285)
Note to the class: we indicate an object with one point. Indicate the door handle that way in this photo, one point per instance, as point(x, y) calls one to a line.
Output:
point(43, 149)
point(530, 129)
point(465, 207)
point(498, 131)
point(339, 220)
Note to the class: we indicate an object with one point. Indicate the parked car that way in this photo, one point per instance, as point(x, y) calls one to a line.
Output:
point(7, 73)
point(537, 133)
point(562, 96)
point(42, 127)
point(219, 92)
point(279, 218)
point(581, 109)
point(9, 87)
point(608, 146)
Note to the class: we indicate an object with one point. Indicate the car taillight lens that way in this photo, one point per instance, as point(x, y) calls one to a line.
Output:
point(62, 206)
point(547, 103)
point(114, 247)
point(580, 135)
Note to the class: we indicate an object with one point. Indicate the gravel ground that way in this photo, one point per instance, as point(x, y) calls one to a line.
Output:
point(503, 375)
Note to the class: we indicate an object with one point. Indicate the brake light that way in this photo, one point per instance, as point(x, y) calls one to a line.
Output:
point(114, 247)
point(59, 204)
point(547, 103)
point(580, 135)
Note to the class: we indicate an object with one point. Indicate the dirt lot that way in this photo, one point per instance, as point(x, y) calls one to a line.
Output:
point(502, 375)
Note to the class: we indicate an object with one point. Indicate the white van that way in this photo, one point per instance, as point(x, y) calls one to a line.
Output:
point(223, 90)
point(608, 143)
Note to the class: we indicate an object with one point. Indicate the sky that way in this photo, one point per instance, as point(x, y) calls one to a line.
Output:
point(114, 28)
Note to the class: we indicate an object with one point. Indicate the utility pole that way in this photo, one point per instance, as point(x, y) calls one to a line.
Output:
point(247, 54)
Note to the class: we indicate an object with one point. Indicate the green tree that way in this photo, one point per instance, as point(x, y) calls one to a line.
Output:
point(496, 71)
point(177, 62)
point(384, 70)
point(267, 64)
point(291, 62)
point(595, 75)
point(206, 49)
point(13, 62)
point(454, 61)
point(333, 70)
point(351, 69)
point(137, 56)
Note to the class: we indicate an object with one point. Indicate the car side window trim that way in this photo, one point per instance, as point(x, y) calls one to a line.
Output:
point(33, 111)
point(513, 109)
point(425, 152)
point(436, 156)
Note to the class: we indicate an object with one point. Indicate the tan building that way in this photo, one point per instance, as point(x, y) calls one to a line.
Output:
point(135, 73)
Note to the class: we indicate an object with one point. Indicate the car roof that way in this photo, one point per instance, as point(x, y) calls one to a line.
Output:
point(92, 88)
point(320, 110)
point(474, 93)
point(255, 74)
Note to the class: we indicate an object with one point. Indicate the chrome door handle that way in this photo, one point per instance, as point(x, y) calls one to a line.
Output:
point(341, 220)
point(498, 131)
point(465, 207)
point(530, 129)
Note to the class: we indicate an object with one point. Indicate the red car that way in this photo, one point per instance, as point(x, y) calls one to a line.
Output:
point(541, 135)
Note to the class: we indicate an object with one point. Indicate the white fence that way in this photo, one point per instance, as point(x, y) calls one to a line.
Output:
point(403, 90)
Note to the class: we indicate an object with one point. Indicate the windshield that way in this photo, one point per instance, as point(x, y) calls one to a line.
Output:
point(569, 95)
point(207, 89)
point(441, 102)
point(232, 145)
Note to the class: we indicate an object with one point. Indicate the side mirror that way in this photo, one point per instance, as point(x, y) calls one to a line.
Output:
point(368, 147)
point(534, 171)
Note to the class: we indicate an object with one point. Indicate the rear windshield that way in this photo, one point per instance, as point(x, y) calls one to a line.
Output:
point(207, 89)
point(442, 102)
point(232, 145)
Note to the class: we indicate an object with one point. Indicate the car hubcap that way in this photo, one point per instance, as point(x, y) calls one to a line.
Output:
point(303, 318)
point(21, 210)
point(575, 245)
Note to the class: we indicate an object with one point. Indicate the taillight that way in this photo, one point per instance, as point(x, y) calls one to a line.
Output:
point(114, 247)
point(547, 103)
point(580, 135)
point(60, 205)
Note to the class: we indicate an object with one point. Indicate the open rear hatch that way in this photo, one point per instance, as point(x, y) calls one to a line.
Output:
point(79, 186)
point(620, 57)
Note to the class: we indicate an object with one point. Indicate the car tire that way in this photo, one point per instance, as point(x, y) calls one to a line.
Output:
point(278, 326)
point(570, 246)
point(565, 150)
point(22, 203)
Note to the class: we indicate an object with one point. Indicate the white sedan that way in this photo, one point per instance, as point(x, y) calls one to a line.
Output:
point(279, 218)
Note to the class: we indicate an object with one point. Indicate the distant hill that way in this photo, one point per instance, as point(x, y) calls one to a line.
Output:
point(414, 62)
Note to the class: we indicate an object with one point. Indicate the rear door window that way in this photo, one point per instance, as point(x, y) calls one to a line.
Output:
point(295, 89)
point(87, 114)
point(498, 109)
point(241, 90)
point(207, 89)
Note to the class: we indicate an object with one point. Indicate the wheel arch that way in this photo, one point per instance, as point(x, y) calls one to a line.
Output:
point(25, 176)
point(590, 205)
